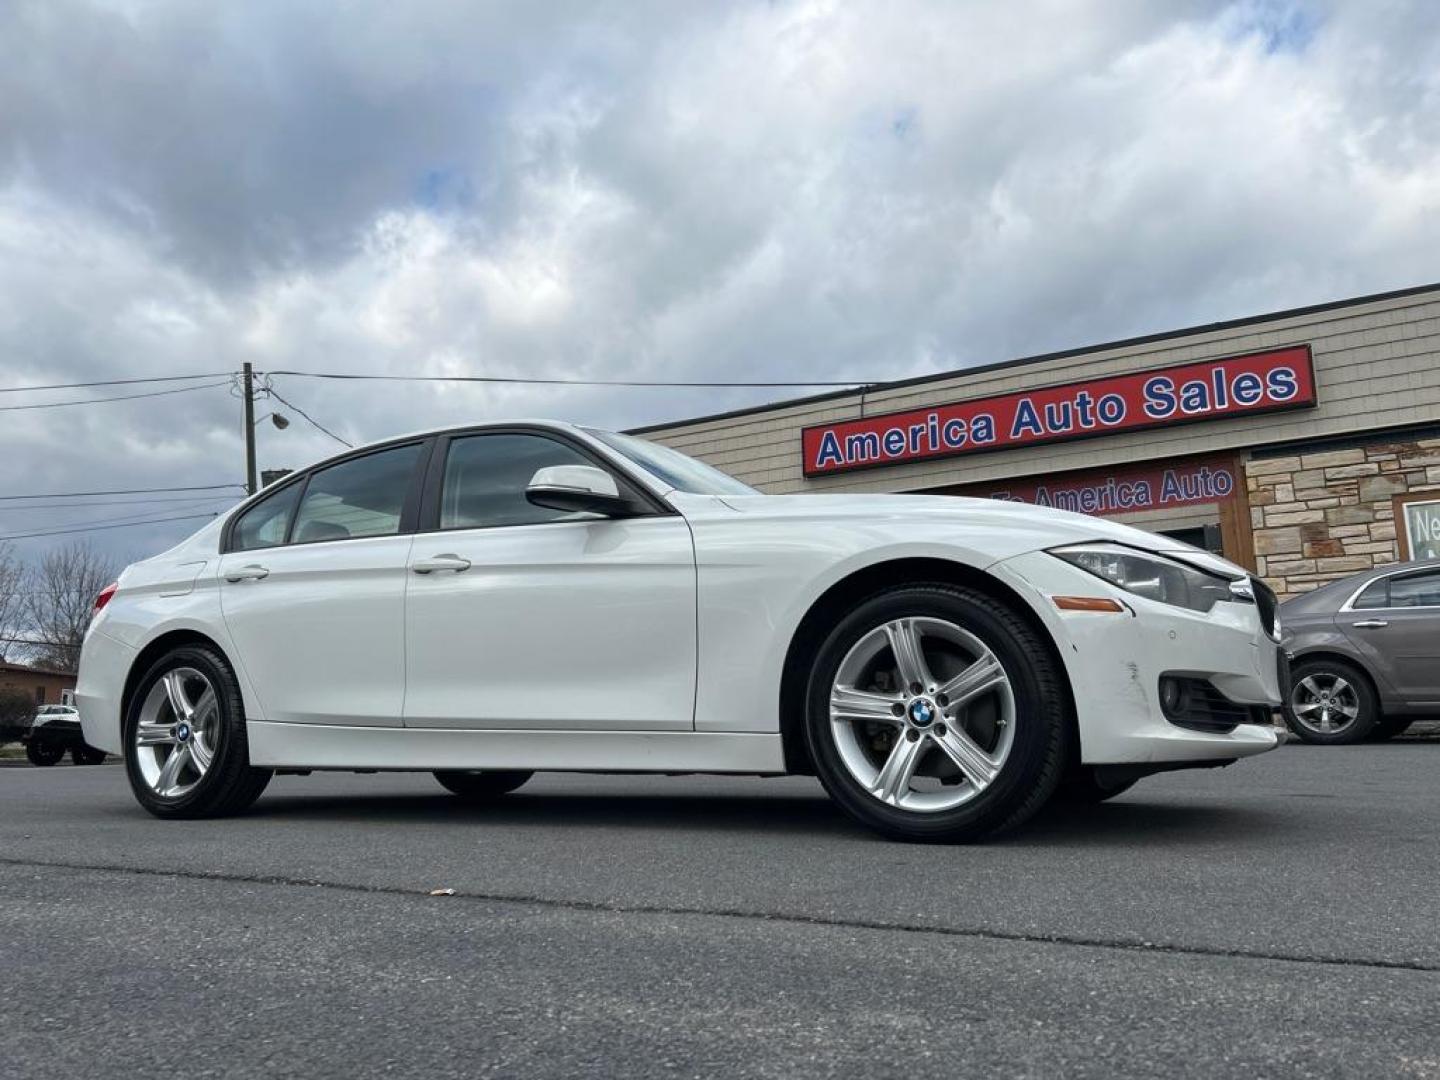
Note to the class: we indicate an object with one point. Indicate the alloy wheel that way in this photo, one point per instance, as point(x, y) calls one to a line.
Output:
point(178, 732)
point(1325, 703)
point(923, 714)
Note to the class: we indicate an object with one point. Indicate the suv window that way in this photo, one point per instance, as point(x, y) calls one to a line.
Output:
point(264, 524)
point(1415, 590)
point(486, 477)
point(1376, 595)
point(360, 497)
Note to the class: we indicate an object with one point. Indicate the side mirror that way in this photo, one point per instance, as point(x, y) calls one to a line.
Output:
point(577, 489)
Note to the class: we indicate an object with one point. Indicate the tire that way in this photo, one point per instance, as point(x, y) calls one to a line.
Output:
point(43, 753)
point(86, 755)
point(1387, 727)
point(473, 785)
point(228, 784)
point(1083, 788)
point(1352, 710)
point(1018, 721)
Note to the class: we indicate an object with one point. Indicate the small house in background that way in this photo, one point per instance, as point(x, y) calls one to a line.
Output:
point(43, 686)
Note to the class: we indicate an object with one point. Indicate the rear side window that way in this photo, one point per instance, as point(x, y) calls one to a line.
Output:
point(360, 497)
point(486, 477)
point(264, 524)
point(1415, 590)
point(1376, 595)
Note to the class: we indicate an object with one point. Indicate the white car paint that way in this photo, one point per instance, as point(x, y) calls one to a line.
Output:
point(652, 643)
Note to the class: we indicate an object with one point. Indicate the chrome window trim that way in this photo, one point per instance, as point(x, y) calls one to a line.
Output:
point(1349, 604)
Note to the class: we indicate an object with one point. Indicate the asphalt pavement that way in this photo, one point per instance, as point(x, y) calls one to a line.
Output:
point(1277, 918)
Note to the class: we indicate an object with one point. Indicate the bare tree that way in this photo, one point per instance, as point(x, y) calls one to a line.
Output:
point(61, 599)
point(12, 601)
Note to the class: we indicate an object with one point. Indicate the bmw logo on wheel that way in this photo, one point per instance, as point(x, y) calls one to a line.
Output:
point(921, 712)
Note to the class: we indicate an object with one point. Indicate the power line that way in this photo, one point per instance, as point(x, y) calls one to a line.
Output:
point(313, 422)
point(37, 641)
point(116, 382)
point(118, 397)
point(124, 518)
point(122, 491)
point(112, 502)
point(565, 382)
point(99, 528)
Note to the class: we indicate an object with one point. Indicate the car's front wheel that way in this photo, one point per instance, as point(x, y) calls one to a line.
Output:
point(1331, 703)
point(936, 713)
point(42, 752)
point(474, 785)
point(186, 752)
point(87, 755)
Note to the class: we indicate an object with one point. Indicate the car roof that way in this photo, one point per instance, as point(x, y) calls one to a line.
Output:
point(1329, 597)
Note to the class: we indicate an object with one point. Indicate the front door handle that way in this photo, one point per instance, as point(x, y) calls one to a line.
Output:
point(1370, 624)
point(440, 562)
point(252, 572)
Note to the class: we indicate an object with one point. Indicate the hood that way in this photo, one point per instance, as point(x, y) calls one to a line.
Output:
point(1051, 527)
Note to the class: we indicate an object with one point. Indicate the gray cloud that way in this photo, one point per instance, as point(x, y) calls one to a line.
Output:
point(791, 190)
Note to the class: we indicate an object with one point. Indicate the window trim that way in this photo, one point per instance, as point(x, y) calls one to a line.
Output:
point(409, 510)
point(1349, 606)
point(429, 516)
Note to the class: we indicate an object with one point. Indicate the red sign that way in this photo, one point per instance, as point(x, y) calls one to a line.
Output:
point(1123, 491)
point(1209, 390)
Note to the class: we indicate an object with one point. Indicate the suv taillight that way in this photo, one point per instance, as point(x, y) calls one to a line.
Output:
point(105, 595)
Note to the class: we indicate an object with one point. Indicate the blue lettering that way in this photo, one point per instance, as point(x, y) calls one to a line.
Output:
point(953, 433)
point(1195, 397)
point(1282, 383)
point(1111, 408)
point(982, 429)
point(829, 451)
point(894, 442)
point(1057, 417)
point(1159, 397)
point(1247, 388)
point(1026, 420)
point(864, 446)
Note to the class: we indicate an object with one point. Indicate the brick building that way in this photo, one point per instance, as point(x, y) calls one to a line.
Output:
point(41, 685)
point(1304, 444)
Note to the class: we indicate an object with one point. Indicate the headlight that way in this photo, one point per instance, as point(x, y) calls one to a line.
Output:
point(1154, 577)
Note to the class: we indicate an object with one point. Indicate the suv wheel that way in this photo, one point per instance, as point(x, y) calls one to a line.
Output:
point(936, 713)
point(1331, 703)
point(43, 752)
point(186, 753)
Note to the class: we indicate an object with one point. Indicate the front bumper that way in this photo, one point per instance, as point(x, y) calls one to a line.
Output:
point(62, 729)
point(1116, 661)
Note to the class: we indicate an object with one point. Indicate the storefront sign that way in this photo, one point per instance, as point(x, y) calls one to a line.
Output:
point(1422, 528)
point(1126, 490)
point(1209, 390)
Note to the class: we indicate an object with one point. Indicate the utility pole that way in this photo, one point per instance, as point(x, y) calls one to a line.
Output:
point(247, 379)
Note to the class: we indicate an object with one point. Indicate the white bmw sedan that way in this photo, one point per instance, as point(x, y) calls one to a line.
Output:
point(487, 602)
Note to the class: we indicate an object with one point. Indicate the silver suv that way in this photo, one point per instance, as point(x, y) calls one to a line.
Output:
point(1366, 654)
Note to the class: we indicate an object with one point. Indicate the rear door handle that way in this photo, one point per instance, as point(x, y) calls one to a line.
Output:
point(1370, 624)
point(247, 573)
point(440, 562)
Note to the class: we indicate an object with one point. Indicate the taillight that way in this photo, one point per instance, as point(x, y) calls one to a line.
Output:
point(105, 595)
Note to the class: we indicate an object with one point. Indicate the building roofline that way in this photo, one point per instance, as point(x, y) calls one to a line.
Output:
point(9, 667)
point(1062, 354)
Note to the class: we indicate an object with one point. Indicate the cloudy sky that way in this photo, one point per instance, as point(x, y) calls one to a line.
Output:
point(742, 191)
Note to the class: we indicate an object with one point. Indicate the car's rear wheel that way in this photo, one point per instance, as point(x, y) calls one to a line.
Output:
point(87, 755)
point(1331, 703)
point(936, 713)
point(186, 752)
point(474, 785)
point(42, 752)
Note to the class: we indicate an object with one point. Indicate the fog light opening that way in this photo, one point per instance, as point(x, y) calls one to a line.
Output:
point(1172, 697)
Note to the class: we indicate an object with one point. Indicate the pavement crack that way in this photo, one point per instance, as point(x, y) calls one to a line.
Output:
point(793, 918)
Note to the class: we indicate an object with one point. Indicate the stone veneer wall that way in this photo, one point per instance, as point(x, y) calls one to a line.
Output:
point(1324, 515)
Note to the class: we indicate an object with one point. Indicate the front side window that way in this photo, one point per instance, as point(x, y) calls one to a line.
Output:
point(360, 497)
point(264, 524)
point(1415, 590)
point(681, 472)
point(486, 477)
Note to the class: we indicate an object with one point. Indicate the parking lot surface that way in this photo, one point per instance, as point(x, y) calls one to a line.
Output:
point(1273, 918)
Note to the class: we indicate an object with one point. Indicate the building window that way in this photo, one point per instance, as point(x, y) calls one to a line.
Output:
point(1419, 526)
point(40, 694)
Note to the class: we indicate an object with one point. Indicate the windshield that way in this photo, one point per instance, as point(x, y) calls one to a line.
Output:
point(674, 468)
